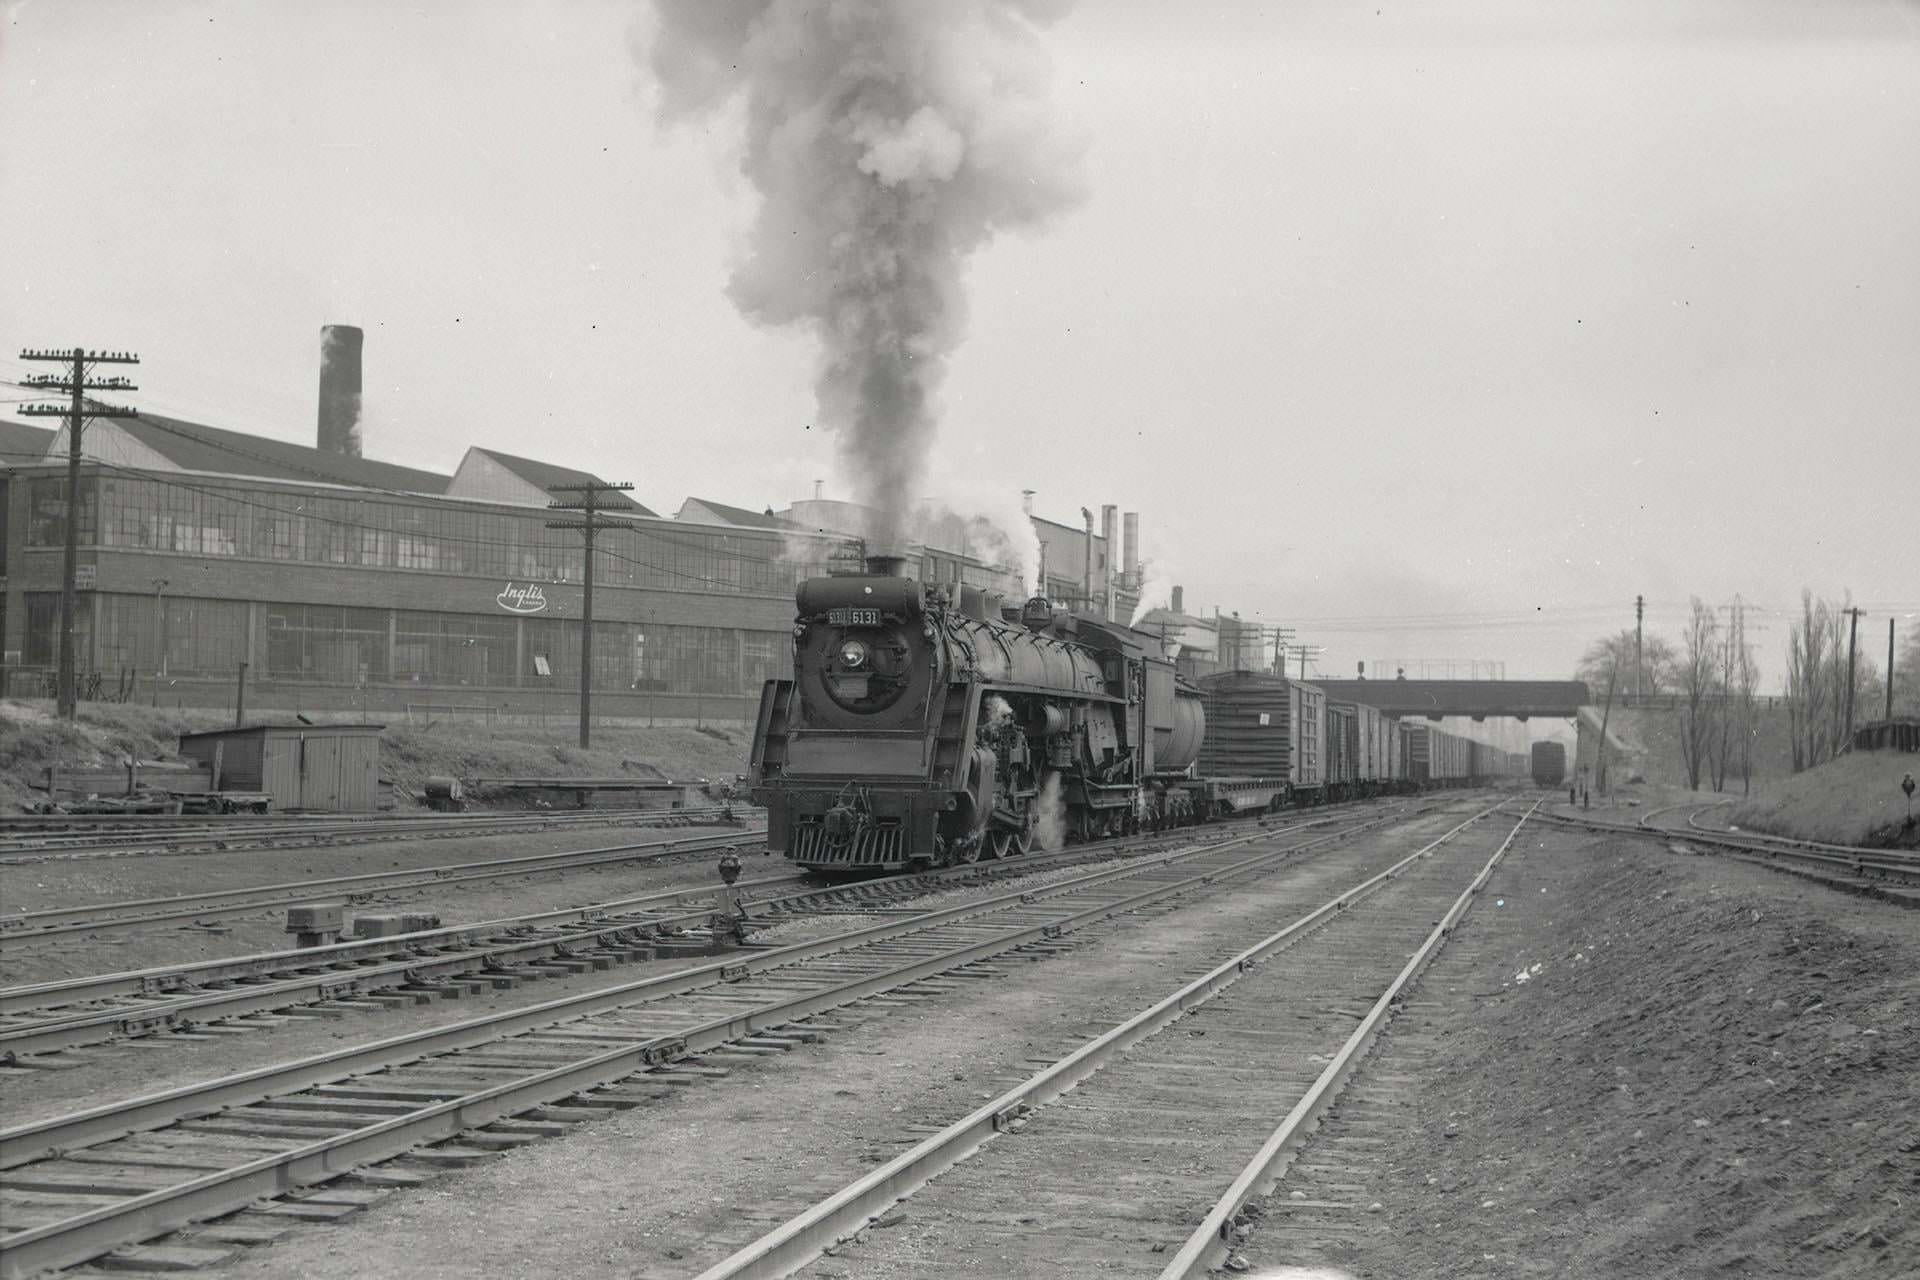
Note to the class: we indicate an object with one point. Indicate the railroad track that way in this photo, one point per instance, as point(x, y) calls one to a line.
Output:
point(101, 917)
point(1891, 875)
point(81, 1185)
point(219, 997)
point(26, 844)
point(1164, 1138)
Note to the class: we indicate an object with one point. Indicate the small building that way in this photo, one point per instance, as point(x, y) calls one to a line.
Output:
point(318, 768)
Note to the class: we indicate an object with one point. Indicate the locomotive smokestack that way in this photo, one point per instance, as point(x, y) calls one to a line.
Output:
point(1130, 553)
point(339, 430)
point(1178, 592)
point(1026, 501)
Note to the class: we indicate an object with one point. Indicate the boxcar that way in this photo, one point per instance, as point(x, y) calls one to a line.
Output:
point(1549, 763)
point(1266, 735)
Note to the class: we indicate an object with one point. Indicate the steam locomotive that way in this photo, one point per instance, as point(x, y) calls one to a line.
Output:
point(924, 728)
point(927, 728)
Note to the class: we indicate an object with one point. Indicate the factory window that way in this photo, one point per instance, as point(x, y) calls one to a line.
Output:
point(453, 649)
point(326, 643)
point(199, 637)
point(43, 629)
point(47, 511)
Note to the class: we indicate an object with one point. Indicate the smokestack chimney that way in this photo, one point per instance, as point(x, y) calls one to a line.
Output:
point(340, 389)
point(1109, 516)
point(1026, 501)
point(1086, 578)
point(1179, 604)
point(1130, 551)
point(818, 485)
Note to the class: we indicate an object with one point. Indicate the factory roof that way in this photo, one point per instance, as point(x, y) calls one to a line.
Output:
point(492, 474)
point(156, 442)
point(706, 509)
point(20, 443)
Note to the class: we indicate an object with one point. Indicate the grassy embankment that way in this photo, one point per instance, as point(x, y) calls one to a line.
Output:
point(1853, 800)
point(104, 734)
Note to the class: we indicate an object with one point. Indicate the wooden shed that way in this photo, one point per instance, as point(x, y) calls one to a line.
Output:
point(319, 768)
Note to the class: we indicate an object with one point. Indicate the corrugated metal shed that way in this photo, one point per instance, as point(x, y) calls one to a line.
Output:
point(319, 768)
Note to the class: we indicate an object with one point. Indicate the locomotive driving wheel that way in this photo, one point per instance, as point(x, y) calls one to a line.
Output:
point(1002, 841)
point(1022, 840)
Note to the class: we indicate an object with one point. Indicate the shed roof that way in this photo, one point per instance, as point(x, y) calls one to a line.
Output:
point(350, 730)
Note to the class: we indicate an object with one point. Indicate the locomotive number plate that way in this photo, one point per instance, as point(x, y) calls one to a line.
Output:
point(854, 617)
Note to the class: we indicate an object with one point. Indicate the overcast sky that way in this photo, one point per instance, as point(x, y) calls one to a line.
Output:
point(1433, 331)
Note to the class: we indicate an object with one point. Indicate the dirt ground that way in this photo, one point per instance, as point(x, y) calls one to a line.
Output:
point(1707, 1070)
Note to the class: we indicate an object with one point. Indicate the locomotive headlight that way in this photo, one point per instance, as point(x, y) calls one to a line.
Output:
point(853, 654)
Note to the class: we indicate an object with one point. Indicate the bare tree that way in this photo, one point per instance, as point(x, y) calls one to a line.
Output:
point(1720, 743)
point(1613, 656)
point(1697, 668)
point(1807, 684)
point(1746, 687)
point(1906, 675)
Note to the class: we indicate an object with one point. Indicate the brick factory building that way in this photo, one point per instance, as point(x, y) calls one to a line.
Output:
point(348, 584)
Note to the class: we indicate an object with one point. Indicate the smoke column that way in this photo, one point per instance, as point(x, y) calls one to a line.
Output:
point(888, 140)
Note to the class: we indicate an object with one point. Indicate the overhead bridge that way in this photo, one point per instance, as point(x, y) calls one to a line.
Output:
point(1433, 699)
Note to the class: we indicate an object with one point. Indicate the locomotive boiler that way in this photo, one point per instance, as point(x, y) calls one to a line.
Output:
point(926, 728)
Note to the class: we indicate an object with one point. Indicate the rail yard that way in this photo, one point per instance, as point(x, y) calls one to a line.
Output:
point(980, 640)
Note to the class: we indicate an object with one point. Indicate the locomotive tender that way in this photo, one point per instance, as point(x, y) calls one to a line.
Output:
point(927, 728)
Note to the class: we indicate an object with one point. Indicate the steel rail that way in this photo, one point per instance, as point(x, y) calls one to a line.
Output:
point(76, 846)
point(1207, 1246)
point(28, 997)
point(280, 979)
point(31, 926)
point(90, 1233)
point(1851, 868)
point(803, 1237)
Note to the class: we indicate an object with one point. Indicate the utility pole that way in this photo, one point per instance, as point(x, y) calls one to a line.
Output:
point(1639, 663)
point(1889, 668)
point(586, 504)
point(1853, 632)
point(78, 381)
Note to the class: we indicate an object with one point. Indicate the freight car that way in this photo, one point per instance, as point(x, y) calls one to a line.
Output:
point(1549, 763)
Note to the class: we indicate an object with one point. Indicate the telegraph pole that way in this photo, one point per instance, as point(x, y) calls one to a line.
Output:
point(1853, 632)
point(586, 504)
point(78, 381)
point(1639, 663)
point(1889, 668)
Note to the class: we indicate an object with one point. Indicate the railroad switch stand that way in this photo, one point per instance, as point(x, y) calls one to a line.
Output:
point(730, 920)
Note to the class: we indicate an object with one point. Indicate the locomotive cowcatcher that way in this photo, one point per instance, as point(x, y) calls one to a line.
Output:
point(927, 728)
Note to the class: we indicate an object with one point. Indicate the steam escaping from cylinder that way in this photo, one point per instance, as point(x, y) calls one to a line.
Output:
point(888, 142)
point(1050, 832)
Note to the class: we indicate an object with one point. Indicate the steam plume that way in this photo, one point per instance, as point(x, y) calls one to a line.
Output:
point(1156, 591)
point(1050, 833)
point(888, 141)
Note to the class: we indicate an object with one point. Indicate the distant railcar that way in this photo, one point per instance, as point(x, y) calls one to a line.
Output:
point(1549, 763)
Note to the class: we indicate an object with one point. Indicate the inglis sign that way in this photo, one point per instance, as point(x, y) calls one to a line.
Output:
point(527, 599)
